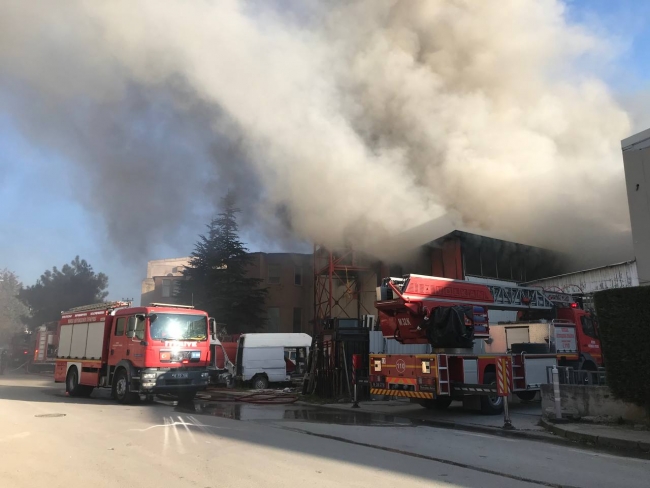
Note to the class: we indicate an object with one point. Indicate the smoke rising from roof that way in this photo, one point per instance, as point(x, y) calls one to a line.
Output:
point(345, 121)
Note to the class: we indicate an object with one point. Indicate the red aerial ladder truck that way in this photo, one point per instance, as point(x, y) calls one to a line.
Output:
point(452, 316)
point(134, 351)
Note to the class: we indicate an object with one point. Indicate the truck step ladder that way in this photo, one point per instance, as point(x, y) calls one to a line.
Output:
point(443, 375)
point(518, 372)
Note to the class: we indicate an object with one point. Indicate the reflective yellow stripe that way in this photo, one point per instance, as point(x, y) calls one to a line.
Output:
point(401, 393)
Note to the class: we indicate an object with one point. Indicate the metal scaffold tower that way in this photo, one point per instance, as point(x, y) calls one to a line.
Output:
point(338, 283)
point(341, 281)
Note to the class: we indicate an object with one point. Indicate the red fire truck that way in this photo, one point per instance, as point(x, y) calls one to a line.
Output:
point(452, 316)
point(135, 351)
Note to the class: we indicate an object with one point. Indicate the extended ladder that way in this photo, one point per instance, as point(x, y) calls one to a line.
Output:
point(98, 306)
point(519, 297)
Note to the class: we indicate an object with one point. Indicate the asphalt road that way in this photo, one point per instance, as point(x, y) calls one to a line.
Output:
point(48, 439)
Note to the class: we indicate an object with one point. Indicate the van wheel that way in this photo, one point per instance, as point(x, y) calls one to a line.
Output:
point(260, 382)
point(491, 405)
point(72, 385)
point(122, 388)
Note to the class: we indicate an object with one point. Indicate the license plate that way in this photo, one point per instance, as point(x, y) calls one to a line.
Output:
point(179, 375)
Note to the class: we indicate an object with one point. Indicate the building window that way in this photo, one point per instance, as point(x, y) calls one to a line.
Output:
point(273, 319)
point(119, 326)
point(297, 319)
point(167, 286)
point(274, 274)
point(297, 275)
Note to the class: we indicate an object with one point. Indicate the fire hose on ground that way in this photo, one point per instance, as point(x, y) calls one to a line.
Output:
point(258, 397)
point(15, 369)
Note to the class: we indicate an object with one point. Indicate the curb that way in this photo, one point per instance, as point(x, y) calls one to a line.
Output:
point(609, 443)
point(481, 429)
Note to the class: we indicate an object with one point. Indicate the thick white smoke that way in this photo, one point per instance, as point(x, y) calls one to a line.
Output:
point(353, 120)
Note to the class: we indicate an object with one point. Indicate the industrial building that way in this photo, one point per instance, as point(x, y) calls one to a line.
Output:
point(636, 161)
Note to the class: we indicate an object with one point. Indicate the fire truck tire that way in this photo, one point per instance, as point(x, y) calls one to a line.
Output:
point(526, 396)
point(440, 403)
point(491, 405)
point(72, 385)
point(122, 388)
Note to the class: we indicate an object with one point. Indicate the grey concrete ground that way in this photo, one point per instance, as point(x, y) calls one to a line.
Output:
point(47, 439)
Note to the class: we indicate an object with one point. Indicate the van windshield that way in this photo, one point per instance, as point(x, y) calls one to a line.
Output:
point(178, 327)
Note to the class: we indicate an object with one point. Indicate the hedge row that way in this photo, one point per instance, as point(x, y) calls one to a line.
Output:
point(624, 323)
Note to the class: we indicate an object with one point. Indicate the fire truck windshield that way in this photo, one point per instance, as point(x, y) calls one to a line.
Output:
point(178, 327)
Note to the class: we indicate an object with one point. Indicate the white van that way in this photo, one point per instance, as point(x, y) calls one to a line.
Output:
point(271, 358)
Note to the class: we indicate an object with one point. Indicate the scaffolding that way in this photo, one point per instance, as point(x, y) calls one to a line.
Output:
point(339, 280)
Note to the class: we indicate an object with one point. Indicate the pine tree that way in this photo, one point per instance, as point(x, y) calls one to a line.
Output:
point(216, 277)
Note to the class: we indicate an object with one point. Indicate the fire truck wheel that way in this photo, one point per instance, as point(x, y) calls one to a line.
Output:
point(526, 396)
point(72, 385)
point(122, 388)
point(491, 405)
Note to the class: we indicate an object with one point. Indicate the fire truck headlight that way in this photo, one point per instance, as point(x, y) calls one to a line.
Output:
point(204, 375)
point(149, 376)
point(377, 364)
point(426, 367)
point(195, 355)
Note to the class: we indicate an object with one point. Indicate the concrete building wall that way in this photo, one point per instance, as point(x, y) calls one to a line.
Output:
point(290, 280)
point(169, 270)
point(636, 160)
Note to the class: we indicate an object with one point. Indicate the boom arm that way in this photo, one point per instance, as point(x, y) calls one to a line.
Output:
point(406, 305)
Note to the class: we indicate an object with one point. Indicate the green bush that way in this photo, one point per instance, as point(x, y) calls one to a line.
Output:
point(624, 322)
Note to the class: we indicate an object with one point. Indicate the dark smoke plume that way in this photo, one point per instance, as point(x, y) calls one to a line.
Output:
point(343, 122)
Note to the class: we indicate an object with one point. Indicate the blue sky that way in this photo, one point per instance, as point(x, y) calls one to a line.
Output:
point(628, 22)
point(43, 224)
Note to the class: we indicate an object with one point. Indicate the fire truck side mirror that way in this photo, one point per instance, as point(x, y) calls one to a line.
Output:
point(213, 327)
